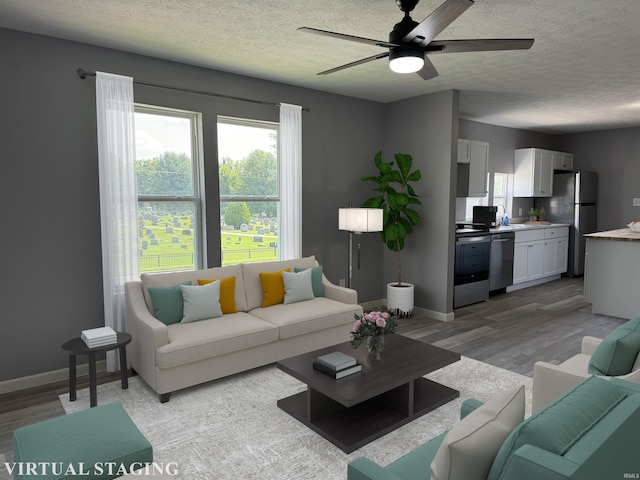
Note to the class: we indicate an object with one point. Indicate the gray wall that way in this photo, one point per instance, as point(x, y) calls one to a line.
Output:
point(502, 143)
point(427, 128)
point(615, 156)
point(50, 261)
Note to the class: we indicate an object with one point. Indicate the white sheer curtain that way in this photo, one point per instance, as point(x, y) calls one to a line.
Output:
point(290, 181)
point(118, 196)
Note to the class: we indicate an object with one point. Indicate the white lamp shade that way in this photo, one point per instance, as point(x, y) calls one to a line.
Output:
point(360, 219)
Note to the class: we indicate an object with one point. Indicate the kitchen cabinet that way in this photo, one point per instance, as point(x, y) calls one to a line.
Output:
point(527, 256)
point(562, 161)
point(556, 250)
point(473, 165)
point(533, 173)
point(540, 255)
point(464, 152)
point(612, 273)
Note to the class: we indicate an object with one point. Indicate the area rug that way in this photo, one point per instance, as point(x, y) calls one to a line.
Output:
point(232, 429)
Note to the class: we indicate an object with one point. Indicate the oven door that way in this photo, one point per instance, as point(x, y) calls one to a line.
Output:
point(472, 259)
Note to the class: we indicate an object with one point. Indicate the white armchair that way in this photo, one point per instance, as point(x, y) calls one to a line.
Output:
point(550, 380)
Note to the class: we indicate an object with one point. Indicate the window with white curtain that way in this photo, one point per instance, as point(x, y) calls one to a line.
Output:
point(170, 201)
point(249, 170)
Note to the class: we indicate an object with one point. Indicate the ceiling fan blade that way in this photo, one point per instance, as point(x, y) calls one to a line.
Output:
point(437, 21)
point(351, 38)
point(353, 64)
point(428, 71)
point(455, 46)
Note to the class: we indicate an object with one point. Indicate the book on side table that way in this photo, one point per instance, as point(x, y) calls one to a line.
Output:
point(337, 365)
point(98, 337)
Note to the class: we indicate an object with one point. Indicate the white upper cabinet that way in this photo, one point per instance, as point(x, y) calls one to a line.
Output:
point(533, 173)
point(464, 151)
point(473, 165)
point(562, 161)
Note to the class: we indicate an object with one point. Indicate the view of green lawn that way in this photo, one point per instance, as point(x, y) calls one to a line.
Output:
point(167, 242)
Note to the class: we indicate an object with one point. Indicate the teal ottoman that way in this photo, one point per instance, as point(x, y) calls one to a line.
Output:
point(98, 443)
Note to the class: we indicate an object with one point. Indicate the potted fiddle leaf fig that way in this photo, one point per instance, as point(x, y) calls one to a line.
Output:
point(397, 199)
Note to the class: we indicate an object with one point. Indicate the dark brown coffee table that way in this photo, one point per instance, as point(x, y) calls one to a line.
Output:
point(388, 393)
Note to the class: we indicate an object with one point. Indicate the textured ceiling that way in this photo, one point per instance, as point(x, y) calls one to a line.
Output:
point(582, 73)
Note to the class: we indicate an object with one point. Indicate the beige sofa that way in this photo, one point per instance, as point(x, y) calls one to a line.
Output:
point(176, 356)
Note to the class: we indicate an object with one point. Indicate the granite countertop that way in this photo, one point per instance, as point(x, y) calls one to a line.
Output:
point(518, 227)
point(621, 234)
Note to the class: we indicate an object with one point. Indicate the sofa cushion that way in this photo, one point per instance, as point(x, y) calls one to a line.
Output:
point(201, 302)
point(561, 423)
point(191, 342)
point(168, 279)
point(617, 352)
point(272, 287)
point(316, 280)
point(251, 277)
point(297, 286)
point(227, 293)
point(309, 316)
point(470, 447)
point(167, 303)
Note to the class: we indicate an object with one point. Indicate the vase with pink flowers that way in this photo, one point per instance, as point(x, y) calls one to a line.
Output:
point(372, 327)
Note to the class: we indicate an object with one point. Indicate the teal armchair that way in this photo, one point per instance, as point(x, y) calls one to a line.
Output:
point(588, 433)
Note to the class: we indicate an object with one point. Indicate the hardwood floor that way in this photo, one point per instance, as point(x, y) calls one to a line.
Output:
point(510, 330)
point(514, 330)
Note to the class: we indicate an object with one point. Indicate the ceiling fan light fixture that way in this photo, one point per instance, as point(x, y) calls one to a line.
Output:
point(406, 60)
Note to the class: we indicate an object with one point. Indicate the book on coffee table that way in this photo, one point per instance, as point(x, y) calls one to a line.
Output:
point(343, 372)
point(336, 361)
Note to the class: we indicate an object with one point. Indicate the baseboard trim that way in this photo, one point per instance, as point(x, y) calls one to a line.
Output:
point(39, 379)
point(441, 316)
point(532, 283)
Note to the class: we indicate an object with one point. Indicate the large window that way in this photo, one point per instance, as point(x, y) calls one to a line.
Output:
point(249, 190)
point(170, 207)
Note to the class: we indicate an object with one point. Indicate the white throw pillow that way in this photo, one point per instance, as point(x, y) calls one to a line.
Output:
point(201, 302)
point(297, 286)
point(468, 450)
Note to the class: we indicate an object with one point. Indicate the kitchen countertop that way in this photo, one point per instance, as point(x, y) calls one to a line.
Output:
point(518, 227)
point(621, 234)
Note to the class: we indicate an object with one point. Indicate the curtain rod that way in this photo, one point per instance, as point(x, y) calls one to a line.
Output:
point(84, 74)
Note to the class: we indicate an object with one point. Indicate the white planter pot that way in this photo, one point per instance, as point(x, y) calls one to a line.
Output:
point(400, 299)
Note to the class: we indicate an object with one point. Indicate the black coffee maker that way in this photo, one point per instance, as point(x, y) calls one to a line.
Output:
point(485, 215)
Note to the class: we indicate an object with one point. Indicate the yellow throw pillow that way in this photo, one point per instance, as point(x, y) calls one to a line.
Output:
point(272, 288)
point(227, 293)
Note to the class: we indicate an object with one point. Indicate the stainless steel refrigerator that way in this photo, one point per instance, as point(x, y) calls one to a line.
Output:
point(574, 202)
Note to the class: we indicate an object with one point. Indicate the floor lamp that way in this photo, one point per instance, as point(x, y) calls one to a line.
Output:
point(358, 220)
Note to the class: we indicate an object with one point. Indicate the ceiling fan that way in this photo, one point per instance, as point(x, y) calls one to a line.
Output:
point(410, 42)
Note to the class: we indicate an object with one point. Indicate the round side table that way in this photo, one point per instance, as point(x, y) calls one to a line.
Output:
point(77, 347)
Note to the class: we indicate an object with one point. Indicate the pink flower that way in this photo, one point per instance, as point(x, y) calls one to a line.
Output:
point(381, 322)
point(356, 325)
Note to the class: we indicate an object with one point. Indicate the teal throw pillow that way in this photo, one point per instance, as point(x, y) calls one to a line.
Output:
point(167, 303)
point(316, 280)
point(201, 302)
point(297, 286)
point(617, 352)
point(562, 423)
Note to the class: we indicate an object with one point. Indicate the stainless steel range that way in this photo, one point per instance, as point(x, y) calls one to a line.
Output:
point(472, 264)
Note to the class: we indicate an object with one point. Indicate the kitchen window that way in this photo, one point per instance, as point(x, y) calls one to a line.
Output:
point(500, 188)
point(170, 201)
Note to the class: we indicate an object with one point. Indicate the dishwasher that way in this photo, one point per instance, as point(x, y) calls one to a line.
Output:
point(501, 260)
